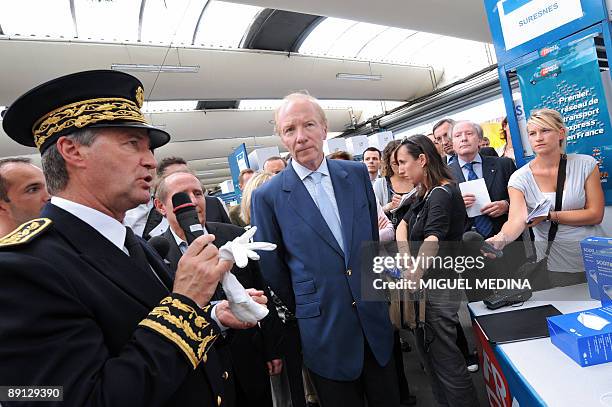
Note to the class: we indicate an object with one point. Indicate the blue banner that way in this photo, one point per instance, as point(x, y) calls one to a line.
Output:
point(238, 160)
point(567, 79)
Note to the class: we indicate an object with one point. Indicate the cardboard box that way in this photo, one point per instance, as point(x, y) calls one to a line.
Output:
point(584, 336)
point(592, 247)
point(357, 145)
point(603, 264)
point(380, 140)
point(334, 144)
point(258, 157)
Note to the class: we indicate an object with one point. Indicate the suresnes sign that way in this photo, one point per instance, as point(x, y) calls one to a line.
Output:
point(524, 20)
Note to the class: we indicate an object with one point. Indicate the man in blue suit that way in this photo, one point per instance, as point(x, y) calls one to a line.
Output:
point(319, 212)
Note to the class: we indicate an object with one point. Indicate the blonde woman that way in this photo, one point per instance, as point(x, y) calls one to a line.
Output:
point(255, 182)
point(582, 206)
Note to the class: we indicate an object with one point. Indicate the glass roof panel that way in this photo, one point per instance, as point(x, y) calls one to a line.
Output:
point(380, 47)
point(349, 39)
point(354, 39)
point(173, 21)
point(323, 36)
point(52, 18)
point(224, 24)
point(112, 21)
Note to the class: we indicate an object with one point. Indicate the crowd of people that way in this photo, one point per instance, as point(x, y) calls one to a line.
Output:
point(88, 304)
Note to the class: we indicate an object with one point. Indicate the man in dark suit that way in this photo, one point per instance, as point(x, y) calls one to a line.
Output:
point(215, 208)
point(319, 213)
point(442, 137)
point(250, 355)
point(84, 303)
point(470, 164)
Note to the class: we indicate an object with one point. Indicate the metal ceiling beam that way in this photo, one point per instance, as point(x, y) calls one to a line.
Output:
point(74, 21)
point(140, 17)
point(197, 27)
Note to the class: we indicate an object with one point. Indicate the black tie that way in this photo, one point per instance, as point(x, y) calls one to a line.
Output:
point(137, 254)
point(136, 251)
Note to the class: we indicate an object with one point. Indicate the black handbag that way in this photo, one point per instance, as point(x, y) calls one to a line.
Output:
point(537, 271)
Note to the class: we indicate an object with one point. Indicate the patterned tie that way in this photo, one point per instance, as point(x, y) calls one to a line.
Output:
point(483, 222)
point(326, 208)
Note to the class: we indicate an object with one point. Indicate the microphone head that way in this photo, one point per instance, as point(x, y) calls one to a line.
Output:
point(471, 236)
point(180, 201)
point(161, 245)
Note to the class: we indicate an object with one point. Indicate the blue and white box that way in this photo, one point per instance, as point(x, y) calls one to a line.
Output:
point(603, 263)
point(584, 336)
point(592, 246)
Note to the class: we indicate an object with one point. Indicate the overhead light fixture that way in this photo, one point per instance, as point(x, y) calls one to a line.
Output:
point(205, 173)
point(359, 77)
point(156, 68)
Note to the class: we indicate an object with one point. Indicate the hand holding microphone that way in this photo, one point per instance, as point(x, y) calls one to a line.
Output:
point(238, 251)
point(199, 269)
point(476, 239)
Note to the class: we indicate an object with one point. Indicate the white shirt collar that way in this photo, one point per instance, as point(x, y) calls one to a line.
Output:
point(303, 172)
point(178, 240)
point(107, 226)
point(477, 159)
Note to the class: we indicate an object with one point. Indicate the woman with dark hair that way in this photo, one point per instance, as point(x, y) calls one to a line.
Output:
point(390, 187)
point(504, 134)
point(433, 228)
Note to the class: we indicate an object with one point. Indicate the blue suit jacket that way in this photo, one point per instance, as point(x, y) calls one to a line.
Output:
point(312, 275)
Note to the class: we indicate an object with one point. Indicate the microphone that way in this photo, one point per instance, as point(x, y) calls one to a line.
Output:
point(476, 238)
point(187, 216)
point(161, 245)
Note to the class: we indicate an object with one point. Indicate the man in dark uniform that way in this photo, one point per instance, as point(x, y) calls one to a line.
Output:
point(84, 304)
point(251, 354)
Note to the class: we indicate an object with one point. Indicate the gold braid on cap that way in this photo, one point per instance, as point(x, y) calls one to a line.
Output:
point(82, 114)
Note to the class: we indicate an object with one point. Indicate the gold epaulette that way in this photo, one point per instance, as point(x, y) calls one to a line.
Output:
point(184, 325)
point(26, 232)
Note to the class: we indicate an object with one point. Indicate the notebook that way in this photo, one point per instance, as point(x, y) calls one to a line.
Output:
point(540, 211)
point(517, 325)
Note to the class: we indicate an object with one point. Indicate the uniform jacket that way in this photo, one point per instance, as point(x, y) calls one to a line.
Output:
point(76, 312)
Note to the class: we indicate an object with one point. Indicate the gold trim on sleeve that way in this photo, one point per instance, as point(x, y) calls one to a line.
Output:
point(184, 325)
point(172, 336)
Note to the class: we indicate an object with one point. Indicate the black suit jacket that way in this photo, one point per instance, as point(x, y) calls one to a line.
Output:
point(215, 212)
point(496, 172)
point(71, 303)
point(250, 348)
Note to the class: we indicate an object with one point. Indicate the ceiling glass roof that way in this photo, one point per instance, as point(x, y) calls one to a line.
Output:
point(52, 18)
point(339, 38)
point(207, 23)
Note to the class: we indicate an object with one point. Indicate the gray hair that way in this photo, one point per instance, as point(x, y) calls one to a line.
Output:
point(302, 95)
point(474, 126)
point(54, 165)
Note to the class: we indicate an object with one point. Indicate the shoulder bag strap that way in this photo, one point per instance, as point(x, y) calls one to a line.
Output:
point(552, 232)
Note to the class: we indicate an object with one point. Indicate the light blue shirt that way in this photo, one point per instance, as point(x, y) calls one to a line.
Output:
point(477, 166)
point(182, 244)
point(326, 182)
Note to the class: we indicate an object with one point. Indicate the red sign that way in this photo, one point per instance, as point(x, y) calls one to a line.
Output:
point(498, 391)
